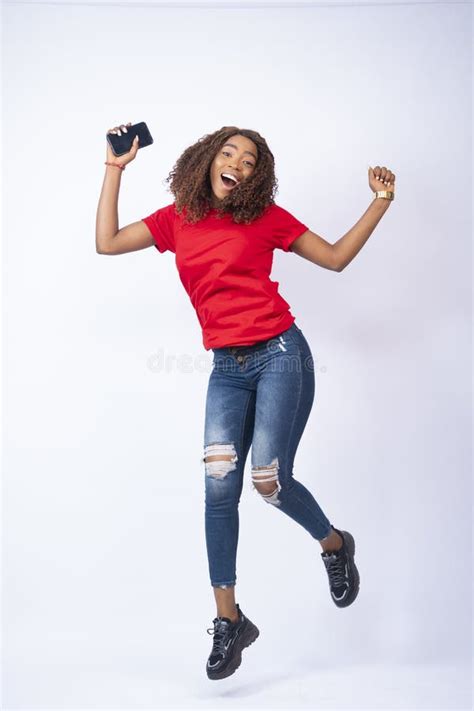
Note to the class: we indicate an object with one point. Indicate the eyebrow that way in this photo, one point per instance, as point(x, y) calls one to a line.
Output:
point(232, 145)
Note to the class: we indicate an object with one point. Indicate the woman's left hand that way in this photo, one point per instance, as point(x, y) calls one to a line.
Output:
point(381, 179)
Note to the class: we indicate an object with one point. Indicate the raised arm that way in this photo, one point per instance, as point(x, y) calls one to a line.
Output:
point(108, 238)
point(337, 256)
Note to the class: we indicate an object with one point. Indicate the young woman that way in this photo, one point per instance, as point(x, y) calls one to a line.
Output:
point(223, 227)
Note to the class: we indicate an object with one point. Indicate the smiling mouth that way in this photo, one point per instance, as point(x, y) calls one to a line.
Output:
point(228, 182)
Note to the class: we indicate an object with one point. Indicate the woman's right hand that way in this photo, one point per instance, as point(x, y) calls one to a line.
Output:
point(126, 157)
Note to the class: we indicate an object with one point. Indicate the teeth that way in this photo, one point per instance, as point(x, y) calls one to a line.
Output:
point(232, 177)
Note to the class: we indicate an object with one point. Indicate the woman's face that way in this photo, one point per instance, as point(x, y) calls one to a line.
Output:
point(237, 158)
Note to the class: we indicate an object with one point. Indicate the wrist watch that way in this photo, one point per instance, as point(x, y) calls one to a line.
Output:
point(387, 194)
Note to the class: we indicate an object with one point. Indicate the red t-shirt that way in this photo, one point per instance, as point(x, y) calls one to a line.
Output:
point(225, 268)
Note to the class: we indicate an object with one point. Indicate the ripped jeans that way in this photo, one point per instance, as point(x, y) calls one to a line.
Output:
point(259, 395)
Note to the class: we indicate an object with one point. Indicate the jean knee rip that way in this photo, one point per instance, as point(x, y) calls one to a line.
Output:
point(260, 475)
point(224, 462)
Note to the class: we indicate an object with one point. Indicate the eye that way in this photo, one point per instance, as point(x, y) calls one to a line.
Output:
point(227, 153)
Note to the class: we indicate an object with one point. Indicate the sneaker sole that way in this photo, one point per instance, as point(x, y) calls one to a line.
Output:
point(247, 638)
point(350, 545)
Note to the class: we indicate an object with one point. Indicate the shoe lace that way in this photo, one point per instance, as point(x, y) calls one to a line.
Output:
point(336, 570)
point(221, 632)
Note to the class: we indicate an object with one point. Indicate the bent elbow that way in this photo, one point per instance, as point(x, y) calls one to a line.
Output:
point(101, 247)
point(336, 263)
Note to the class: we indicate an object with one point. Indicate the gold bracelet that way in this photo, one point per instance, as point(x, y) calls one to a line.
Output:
point(387, 194)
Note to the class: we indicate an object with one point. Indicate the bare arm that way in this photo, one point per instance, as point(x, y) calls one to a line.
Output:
point(346, 248)
point(337, 256)
point(108, 238)
point(315, 249)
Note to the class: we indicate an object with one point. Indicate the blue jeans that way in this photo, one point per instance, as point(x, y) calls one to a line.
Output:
point(259, 395)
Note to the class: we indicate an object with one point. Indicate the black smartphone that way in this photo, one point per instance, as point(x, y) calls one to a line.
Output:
point(122, 144)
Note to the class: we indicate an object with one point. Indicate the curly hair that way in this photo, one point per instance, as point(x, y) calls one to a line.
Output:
point(191, 185)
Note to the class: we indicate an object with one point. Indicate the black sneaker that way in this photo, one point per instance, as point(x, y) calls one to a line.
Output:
point(342, 572)
point(230, 638)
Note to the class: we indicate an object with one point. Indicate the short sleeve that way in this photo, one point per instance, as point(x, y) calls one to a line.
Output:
point(161, 225)
point(286, 228)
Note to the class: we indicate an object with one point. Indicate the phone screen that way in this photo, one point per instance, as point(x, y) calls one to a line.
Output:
point(122, 144)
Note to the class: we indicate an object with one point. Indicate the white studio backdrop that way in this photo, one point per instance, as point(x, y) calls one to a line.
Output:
point(106, 594)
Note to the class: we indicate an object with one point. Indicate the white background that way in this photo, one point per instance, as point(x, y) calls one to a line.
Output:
point(106, 594)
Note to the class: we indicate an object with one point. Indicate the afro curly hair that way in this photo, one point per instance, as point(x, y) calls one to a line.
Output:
point(191, 186)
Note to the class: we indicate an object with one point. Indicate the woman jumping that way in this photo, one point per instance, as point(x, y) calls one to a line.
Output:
point(223, 227)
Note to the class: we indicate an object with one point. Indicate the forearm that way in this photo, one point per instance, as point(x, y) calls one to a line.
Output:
point(106, 226)
point(352, 242)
